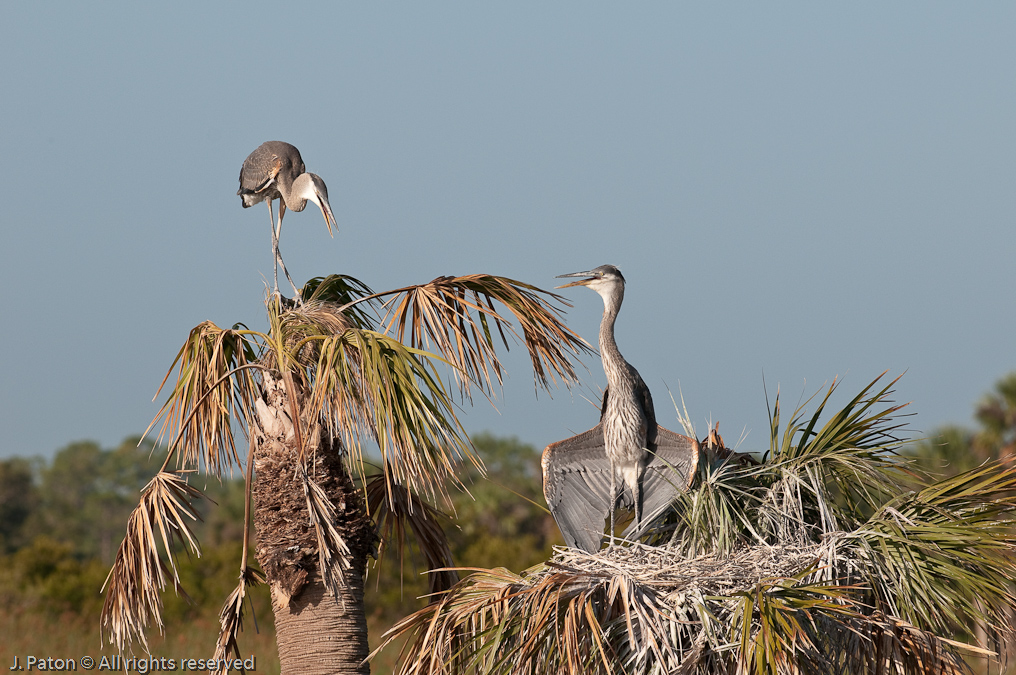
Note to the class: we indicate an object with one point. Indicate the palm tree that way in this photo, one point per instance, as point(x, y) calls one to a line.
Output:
point(954, 449)
point(818, 559)
point(347, 366)
point(997, 415)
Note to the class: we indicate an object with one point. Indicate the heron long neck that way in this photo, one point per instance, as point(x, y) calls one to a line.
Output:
point(614, 365)
point(293, 192)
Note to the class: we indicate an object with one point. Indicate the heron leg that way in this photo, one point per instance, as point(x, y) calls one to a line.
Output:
point(277, 232)
point(613, 501)
point(275, 244)
point(637, 495)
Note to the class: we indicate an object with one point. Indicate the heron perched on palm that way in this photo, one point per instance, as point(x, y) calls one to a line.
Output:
point(275, 170)
point(627, 459)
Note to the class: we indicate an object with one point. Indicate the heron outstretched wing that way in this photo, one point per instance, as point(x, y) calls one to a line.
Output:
point(576, 482)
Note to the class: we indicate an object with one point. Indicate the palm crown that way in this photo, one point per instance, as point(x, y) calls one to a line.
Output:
point(346, 364)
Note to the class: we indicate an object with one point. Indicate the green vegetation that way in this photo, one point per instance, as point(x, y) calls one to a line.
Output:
point(63, 517)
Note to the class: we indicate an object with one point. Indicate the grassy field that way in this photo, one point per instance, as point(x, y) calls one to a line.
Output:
point(190, 632)
point(71, 637)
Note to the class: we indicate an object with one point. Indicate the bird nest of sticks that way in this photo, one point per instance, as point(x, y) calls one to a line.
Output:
point(675, 577)
point(649, 609)
point(661, 611)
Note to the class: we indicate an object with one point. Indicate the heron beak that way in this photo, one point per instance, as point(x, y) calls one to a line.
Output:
point(326, 211)
point(581, 282)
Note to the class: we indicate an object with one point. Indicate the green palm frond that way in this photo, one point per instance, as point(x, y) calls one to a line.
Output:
point(717, 516)
point(365, 383)
point(776, 622)
point(368, 383)
point(857, 425)
point(365, 386)
point(942, 557)
point(328, 366)
point(822, 477)
point(341, 290)
point(818, 477)
point(796, 626)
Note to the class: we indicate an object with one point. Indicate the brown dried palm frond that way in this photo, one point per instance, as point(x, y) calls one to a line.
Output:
point(333, 553)
point(453, 316)
point(578, 613)
point(231, 618)
point(214, 385)
point(393, 507)
point(812, 562)
point(141, 572)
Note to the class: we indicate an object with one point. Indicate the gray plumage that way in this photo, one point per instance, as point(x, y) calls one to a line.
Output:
point(625, 460)
point(275, 170)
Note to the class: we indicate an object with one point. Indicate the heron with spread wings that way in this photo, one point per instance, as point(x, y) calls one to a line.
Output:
point(627, 460)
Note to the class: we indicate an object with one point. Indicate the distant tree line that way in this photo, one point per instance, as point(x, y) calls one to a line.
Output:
point(82, 498)
point(62, 520)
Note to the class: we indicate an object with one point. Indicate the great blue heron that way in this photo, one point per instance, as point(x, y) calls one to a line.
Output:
point(581, 473)
point(276, 171)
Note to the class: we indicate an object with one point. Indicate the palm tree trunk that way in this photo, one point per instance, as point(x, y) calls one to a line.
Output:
point(316, 632)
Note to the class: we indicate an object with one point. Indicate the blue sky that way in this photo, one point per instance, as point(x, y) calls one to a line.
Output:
point(796, 191)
